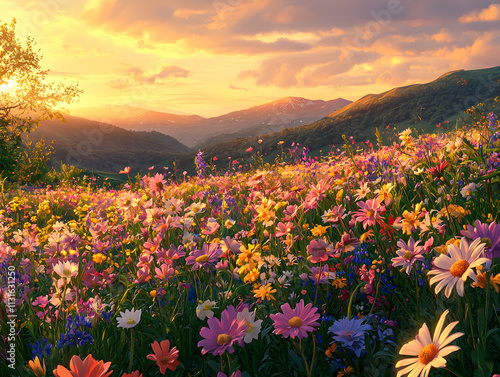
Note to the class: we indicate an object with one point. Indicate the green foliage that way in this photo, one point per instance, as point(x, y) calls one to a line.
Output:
point(25, 100)
point(32, 161)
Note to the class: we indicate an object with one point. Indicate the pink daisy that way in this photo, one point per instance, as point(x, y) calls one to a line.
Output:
point(408, 254)
point(369, 212)
point(157, 184)
point(204, 258)
point(295, 322)
point(221, 335)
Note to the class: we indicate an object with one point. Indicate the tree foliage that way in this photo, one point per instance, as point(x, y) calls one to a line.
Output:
point(26, 98)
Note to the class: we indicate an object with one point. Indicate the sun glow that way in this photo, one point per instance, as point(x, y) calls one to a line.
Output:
point(5, 87)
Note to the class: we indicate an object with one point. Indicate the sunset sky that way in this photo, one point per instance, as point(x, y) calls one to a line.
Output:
point(211, 57)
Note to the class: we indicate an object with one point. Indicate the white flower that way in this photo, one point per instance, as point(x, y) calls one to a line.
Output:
point(66, 269)
point(204, 310)
point(427, 352)
point(253, 326)
point(455, 267)
point(129, 319)
point(467, 190)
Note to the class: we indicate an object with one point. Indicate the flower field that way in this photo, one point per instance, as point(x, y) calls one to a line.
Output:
point(373, 261)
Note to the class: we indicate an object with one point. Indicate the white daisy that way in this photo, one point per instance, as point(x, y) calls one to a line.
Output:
point(455, 267)
point(204, 310)
point(253, 326)
point(66, 269)
point(428, 352)
point(129, 319)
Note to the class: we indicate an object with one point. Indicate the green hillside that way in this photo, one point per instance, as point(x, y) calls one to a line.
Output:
point(421, 106)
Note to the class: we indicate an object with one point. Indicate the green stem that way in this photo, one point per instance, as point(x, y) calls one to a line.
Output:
point(131, 350)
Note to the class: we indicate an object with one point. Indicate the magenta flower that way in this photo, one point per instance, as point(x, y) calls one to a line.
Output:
point(295, 322)
point(221, 335)
point(204, 258)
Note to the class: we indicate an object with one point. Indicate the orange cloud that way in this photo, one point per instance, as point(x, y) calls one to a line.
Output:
point(492, 13)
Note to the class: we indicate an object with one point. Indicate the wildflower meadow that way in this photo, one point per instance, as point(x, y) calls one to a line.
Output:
point(370, 260)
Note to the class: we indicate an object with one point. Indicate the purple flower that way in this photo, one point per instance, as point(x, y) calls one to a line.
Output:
point(221, 335)
point(350, 333)
point(204, 258)
point(489, 234)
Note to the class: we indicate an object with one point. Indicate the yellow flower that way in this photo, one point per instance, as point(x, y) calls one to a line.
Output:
point(252, 276)
point(38, 368)
point(319, 230)
point(454, 211)
point(339, 283)
point(345, 371)
point(495, 282)
point(264, 292)
point(98, 258)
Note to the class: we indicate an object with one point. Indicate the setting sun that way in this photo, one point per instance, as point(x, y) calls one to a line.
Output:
point(5, 87)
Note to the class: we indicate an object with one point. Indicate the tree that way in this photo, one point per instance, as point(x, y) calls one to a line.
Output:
point(25, 98)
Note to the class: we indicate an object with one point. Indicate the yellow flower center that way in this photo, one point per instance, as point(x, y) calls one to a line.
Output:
point(486, 241)
point(130, 321)
point(172, 208)
point(408, 255)
point(250, 326)
point(458, 268)
point(152, 249)
point(165, 360)
point(223, 339)
point(427, 354)
point(66, 272)
point(370, 213)
point(295, 321)
point(202, 258)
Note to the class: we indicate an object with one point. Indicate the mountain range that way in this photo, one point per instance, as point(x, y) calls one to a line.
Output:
point(314, 124)
point(196, 131)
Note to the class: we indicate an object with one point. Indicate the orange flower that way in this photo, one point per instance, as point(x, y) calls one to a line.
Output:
point(164, 356)
point(38, 368)
point(89, 367)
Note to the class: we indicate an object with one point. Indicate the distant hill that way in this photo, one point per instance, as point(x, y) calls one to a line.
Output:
point(101, 146)
point(195, 131)
point(422, 104)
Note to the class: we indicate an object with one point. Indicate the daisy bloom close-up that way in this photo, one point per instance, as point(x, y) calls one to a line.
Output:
point(408, 254)
point(454, 268)
point(66, 269)
point(221, 335)
point(129, 318)
point(296, 322)
point(426, 352)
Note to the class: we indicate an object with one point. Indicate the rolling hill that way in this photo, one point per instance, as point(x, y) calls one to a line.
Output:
point(421, 104)
point(101, 146)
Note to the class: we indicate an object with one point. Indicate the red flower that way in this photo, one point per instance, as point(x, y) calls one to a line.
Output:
point(164, 356)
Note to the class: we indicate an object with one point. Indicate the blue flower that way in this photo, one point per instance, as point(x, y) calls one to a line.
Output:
point(40, 350)
point(350, 333)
